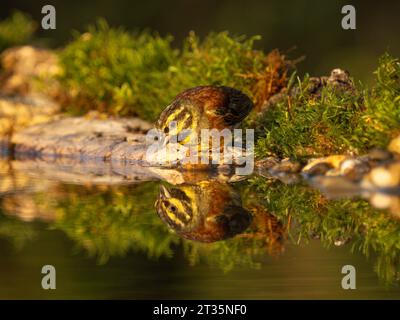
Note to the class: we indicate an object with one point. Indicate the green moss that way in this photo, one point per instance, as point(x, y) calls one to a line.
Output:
point(16, 30)
point(124, 73)
point(114, 71)
point(334, 121)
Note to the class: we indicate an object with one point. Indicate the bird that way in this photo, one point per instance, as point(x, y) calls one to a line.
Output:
point(202, 107)
point(208, 211)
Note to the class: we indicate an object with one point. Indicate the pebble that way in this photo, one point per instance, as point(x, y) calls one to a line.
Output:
point(380, 200)
point(385, 177)
point(394, 145)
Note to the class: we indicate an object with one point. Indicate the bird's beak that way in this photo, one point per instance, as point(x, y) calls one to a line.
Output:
point(164, 192)
point(165, 140)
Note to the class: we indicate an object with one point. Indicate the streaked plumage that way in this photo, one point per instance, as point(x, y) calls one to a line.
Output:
point(205, 107)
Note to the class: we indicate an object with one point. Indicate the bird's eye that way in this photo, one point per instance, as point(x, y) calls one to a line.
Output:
point(166, 130)
point(172, 208)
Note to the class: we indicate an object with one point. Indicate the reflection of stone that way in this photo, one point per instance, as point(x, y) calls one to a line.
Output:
point(331, 162)
point(379, 184)
point(26, 208)
point(13, 180)
point(285, 170)
point(350, 167)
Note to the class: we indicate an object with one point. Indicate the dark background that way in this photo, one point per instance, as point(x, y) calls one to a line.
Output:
point(312, 27)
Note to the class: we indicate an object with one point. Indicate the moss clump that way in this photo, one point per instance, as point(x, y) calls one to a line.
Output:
point(16, 30)
point(116, 72)
point(306, 124)
point(123, 73)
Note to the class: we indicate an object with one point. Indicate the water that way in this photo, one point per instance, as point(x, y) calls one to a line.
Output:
point(107, 241)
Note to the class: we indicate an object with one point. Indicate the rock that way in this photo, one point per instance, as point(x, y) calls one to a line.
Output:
point(17, 112)
point(22, 66)
point(287, 166)
point(394, 145)
point(78, 137)
point(318, 169)
point(266, 163)
point(354, 168)
point(380, 200)
point(383, 177)
point(341, 241)
point(25, 207)
point(379, 155)
point(386, 201)
point(338, 79)
point(286, 171)
point(324, 165)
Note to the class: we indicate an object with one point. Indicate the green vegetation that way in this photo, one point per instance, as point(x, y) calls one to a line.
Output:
point(335, 120)
point(122, 73)
point(16, 30)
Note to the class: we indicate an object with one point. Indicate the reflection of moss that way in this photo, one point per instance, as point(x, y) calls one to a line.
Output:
point(14, 230)
point(16, 30)
point(334, 121)
point(122, 73)
point(111, 222)
point(371, 230)
point(228, 254)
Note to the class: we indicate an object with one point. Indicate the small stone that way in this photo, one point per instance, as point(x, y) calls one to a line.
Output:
point(332, 161)
point(287, 166)
point(319, 169)
point(379, 155)
point(394, 145)
point(380, 200)
point(340, 79)
point(385, 177)
point(354, 169)
point(267, 163)
point(341, 241)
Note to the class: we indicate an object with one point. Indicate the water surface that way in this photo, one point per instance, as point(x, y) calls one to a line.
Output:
point(107, 241)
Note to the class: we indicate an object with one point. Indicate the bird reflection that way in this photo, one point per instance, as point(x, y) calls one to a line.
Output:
point(210, 211)
point(207, 211)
